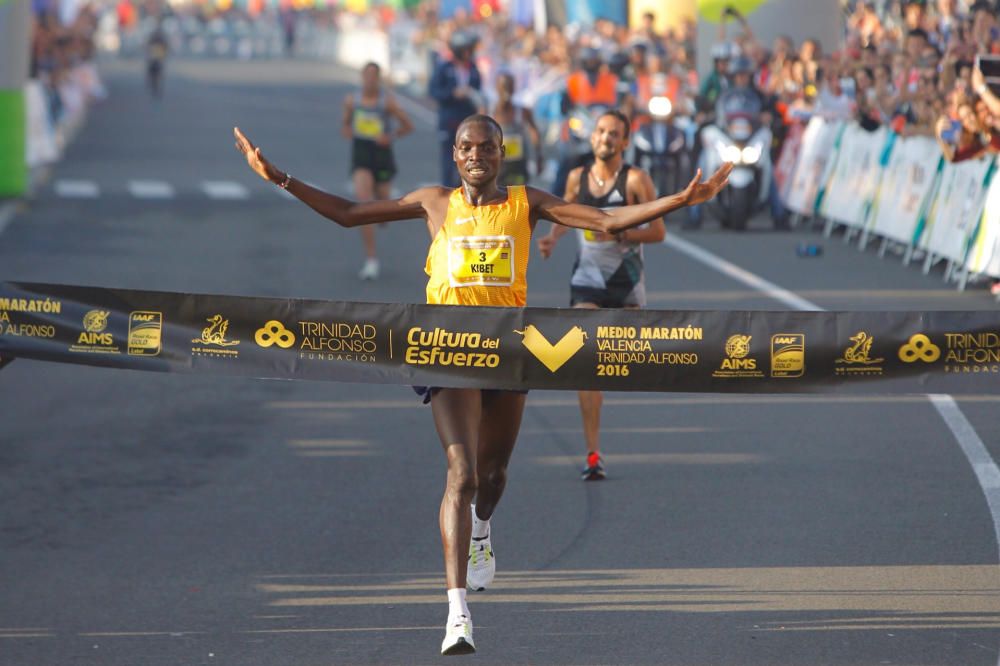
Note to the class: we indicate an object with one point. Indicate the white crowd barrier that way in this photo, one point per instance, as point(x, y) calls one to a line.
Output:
point(955, 211)
point(984, 251)
point(899, 190)
point(40, 147)
point(46, 136)
point(811, 165)
point(904, 190)
point(854, 176)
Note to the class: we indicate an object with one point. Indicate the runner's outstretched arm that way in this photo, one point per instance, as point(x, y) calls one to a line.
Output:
point(343, 211)
point(547, 206)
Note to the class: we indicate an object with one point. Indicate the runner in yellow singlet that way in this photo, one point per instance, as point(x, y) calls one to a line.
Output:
point(480, 240)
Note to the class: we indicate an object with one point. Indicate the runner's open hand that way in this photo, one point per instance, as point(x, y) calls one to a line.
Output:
point(698, 192)
point(256, 160)
point(546, 244)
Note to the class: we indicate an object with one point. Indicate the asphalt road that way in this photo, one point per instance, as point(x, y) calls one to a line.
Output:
point(155, 519)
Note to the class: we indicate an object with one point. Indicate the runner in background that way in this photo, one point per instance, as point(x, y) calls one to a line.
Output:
point(521, 139)
point(609, 268)
point(369, 117)
point(156, 57)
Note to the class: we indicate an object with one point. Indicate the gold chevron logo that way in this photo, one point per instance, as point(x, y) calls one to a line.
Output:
point(553, 356)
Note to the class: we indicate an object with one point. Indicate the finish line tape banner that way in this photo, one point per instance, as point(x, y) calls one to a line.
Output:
point(504, 348)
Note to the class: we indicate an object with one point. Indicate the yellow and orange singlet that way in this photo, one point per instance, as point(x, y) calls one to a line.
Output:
point(480, 254)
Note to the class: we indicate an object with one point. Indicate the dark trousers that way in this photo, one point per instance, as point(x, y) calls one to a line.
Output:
point(449, 174)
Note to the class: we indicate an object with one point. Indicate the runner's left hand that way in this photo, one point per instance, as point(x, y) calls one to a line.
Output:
point(698, 192)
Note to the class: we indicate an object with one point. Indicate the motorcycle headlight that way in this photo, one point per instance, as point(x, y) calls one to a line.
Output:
point(730, 153)
point(750, 154)
point(660, 106)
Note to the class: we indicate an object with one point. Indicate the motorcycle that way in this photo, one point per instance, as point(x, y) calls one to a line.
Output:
point(660, 145)
point(738, 136)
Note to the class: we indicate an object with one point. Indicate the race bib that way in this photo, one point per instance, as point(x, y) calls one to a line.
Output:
point(481, 261)
point(596, 236)
point(367, 125)
point(514, 145)
point(600, 237)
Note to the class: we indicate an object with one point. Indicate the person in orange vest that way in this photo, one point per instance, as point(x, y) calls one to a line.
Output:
point(591, 83)
point(591, 86)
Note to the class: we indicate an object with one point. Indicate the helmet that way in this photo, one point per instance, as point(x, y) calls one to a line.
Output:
point(461, 40)
point(590, 58)
point(618, 61)
point(741, 65)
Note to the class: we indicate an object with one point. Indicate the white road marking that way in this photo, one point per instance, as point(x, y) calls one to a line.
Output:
point(77, 189)
point(225, 189)
point(730, 269)
point(985, 468)
point(150, 189)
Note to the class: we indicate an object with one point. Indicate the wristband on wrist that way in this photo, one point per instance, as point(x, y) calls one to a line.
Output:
point(286, 182)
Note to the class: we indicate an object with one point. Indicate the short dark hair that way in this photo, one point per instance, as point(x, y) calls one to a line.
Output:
point(481, 119)
point(372, 63)
point(615, 113)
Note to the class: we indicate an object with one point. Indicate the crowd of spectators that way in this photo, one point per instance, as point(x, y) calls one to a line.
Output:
point(912, 65)
point(540, 63)
point(62, 65)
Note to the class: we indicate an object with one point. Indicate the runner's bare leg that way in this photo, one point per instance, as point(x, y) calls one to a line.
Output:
point(500, 423)
point(590, 406)
point(457, 415)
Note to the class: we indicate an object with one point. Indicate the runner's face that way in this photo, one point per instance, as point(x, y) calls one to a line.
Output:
point(369, 78)
point(478, 153)
point(608, 138)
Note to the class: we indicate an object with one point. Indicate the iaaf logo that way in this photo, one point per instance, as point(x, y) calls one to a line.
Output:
point(553, 356)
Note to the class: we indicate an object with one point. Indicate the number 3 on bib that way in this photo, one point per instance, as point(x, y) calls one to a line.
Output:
point(481, 260)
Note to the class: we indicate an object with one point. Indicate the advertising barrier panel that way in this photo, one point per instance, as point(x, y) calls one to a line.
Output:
point(811, 167)
point(955, 209)
point(984, 253)
point(855, 175)
point(905, 189)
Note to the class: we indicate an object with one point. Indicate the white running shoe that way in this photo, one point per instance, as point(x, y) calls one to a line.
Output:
point(458, 636)
point(370, 270)
point(482, 564)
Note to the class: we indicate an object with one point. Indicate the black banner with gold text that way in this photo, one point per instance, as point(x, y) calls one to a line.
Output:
point(506, 348)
